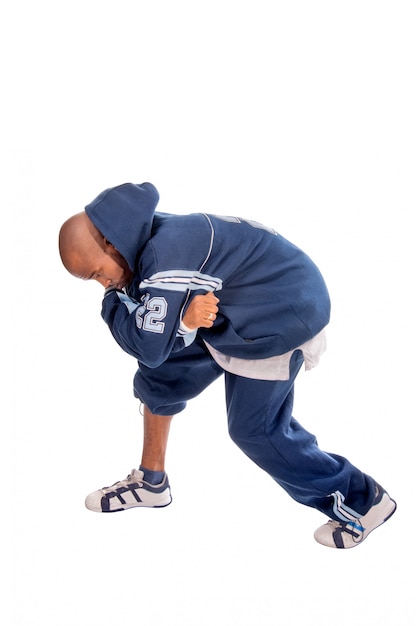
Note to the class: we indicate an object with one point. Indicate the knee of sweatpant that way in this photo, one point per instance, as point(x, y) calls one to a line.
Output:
point(246, 409)
point(245, 432)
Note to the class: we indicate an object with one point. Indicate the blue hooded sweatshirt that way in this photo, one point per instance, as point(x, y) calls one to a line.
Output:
point(272, 296)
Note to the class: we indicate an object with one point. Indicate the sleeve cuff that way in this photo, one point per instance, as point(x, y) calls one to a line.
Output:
point(187, 334)
point(185, 330)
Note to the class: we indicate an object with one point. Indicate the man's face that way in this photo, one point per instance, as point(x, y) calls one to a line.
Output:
point(106, 266)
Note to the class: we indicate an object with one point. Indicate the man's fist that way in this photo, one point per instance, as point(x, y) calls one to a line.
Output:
point(201, 312)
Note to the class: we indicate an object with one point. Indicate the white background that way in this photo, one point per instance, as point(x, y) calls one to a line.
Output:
point(298, 114)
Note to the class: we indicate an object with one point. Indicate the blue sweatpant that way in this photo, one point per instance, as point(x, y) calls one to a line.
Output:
point(261, 424)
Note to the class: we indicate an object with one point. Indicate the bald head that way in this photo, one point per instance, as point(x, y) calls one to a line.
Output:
point(87, 254)
point(78, 240)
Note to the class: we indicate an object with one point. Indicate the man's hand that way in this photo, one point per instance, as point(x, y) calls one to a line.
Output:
point(202, 311)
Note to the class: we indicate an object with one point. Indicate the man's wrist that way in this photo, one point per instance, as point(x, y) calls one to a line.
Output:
point(186, 328)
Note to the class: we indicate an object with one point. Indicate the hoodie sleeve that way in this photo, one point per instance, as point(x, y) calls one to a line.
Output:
point(149, 330)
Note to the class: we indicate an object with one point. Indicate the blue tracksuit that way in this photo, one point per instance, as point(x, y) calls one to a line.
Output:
point(272, 300)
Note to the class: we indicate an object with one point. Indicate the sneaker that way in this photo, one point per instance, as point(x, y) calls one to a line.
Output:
point(128, 493)
point(348, 534)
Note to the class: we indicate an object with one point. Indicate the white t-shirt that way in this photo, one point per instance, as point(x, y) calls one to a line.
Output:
point(275, 367)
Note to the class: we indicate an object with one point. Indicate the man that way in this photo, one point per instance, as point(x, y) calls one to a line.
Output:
point(160, 272)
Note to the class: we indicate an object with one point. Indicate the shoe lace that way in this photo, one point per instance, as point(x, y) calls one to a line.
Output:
point(353, 528)
point(124, 483)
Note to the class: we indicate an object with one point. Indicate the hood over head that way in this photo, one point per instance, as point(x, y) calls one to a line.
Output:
point(124, 215)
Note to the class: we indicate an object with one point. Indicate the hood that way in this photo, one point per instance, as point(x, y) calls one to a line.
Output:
point(124, 215)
